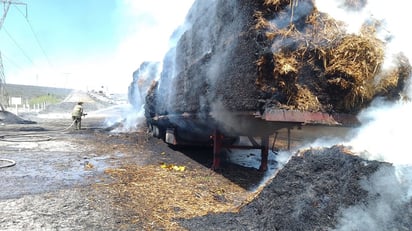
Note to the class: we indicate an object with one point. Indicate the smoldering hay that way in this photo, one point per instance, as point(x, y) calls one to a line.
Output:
point(315, 65)
point(275, 54)
point(251, 55)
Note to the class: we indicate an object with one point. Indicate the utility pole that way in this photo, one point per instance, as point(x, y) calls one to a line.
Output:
point(6, 7)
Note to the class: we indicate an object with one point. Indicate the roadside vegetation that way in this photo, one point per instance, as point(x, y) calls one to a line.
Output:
point(47, 99)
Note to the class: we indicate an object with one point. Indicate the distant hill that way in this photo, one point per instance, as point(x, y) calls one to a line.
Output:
point(28, 91)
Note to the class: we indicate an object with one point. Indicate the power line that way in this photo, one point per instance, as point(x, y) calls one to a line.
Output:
point(11, 61)
point(38, 43)
point(6, 4)
point(18, 46)
point(35, 35)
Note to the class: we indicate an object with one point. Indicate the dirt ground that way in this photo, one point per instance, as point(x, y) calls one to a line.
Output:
point(100, 178)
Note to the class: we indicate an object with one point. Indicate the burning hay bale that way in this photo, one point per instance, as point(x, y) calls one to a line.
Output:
point(341, 71)
point(391, 83)
point(276, 53)
point(143, 77)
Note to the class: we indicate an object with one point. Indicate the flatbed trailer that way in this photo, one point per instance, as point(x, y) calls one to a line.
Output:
point(220, 130)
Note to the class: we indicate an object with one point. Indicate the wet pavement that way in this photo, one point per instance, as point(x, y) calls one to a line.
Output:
point(46, 166)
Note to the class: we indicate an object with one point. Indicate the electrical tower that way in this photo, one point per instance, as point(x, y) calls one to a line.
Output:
point(2, 84)
point(6, 7)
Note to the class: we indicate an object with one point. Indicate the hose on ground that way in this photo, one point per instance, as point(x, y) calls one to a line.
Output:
point(30, 134)
point(24, 138)
point(9, 163)
point(71, 125)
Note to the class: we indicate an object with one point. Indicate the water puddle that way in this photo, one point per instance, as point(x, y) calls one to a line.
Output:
point(52, 165)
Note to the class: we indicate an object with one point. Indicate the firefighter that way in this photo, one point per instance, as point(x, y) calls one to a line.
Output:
point(77, 114)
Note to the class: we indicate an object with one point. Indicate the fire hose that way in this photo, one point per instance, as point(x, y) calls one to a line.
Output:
point(25, 138)
point(9, 163)
point(74, 121)
point(71, 125)
point(20, 138)
point(4, 163)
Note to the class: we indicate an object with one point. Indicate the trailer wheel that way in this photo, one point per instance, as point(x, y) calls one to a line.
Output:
point(150, 127)
point(155, 131)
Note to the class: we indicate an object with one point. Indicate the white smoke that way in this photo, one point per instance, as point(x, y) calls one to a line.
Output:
point(392, 18)
point(385, 131)
point(383, 137)
point(121, 118)
point(155, 33)
point(387, 195)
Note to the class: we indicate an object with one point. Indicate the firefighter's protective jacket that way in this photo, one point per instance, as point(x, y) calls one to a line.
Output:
point(77, 111)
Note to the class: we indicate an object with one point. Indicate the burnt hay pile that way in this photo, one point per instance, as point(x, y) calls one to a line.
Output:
point(310, 193)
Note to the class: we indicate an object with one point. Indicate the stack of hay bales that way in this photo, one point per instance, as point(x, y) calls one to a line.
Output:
point(251, 55)
point(143, 78)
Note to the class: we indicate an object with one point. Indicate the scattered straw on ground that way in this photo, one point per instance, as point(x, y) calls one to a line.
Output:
point(157, 195)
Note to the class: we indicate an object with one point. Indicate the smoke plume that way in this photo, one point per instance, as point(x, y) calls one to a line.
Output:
point(386, 129)
point(160, 25)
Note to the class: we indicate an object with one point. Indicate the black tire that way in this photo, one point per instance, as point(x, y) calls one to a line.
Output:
point(155, 131)
point(150, 127)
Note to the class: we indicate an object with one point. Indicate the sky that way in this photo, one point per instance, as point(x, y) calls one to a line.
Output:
point(86, 44)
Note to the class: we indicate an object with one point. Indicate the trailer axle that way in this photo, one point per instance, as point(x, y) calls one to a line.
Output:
point(218, 145)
